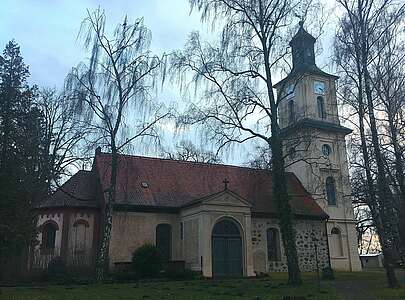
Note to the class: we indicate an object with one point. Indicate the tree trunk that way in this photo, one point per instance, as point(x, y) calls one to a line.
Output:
point(377, 211)
point(285, 214)
point(399, 174)
point(279, 178)
point(102, 261)
point(384, 193)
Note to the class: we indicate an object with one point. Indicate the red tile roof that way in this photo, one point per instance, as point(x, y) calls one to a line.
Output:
point(172, 183)
point(79, 191)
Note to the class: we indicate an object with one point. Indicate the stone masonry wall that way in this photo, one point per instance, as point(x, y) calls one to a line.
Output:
point(305, 231)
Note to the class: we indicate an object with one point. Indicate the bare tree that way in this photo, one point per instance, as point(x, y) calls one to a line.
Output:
point(361, 29)
point(238, 103)
point(114, 95)
point(388, 78)
point(63, 134)
point(187, 151)
point(260, 159)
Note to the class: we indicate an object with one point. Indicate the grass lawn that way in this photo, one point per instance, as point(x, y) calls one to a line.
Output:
point(346, 286)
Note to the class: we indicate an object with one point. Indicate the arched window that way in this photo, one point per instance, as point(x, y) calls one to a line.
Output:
point(291, 111)
point(273, 245)
point(49, 236)
point(80, 229)
point(321, 107)
point(164, 241)
point(331, 190)
point(336, 242)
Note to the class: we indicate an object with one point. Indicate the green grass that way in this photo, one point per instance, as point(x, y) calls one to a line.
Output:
point(272, 287)
point(374, 283)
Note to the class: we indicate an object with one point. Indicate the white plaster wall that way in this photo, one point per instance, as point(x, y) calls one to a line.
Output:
point(244, 223)
point(312, 168)
point(313, 176)
point(350, 261)
point(88, 251)
point(305, 102)
point(130, 230)
point(208, 215)
point(190, 245)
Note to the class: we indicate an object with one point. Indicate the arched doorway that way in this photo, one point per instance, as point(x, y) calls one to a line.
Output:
point(226, 249)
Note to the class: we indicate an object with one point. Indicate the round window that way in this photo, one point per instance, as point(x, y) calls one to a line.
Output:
point(326, 149)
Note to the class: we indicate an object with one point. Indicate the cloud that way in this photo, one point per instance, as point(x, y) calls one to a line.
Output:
point(47, 30)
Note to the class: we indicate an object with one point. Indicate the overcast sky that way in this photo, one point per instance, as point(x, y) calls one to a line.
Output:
point(46, 31)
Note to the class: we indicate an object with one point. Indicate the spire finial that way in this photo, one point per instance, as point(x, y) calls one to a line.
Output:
point(301, 23)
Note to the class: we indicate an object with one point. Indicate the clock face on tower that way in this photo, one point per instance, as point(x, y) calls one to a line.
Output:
point(319, 87)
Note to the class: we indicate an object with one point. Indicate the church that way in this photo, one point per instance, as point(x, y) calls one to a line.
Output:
point(220, 220)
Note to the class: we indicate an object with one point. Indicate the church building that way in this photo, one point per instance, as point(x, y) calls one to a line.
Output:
point(220, 220)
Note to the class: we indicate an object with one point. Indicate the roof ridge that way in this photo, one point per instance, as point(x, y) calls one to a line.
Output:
point(188, 162)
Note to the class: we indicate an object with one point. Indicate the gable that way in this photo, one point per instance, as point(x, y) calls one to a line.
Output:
point(79, 191)
point(227, 198)
point(224, 198)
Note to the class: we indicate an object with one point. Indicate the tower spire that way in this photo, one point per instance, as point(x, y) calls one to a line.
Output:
point(302, 45)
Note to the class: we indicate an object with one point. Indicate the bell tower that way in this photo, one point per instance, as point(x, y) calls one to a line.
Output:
point(302, 45)
point(314, 143)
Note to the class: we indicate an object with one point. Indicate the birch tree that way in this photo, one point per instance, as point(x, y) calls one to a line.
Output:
point(113, 94)
point(361, 30)
point(388, 78)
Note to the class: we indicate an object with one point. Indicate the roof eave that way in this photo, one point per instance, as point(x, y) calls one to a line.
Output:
point(308, 123)
point(321, 217)
point(295, 73)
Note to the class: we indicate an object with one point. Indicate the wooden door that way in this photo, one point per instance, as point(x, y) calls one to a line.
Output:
point(226, 250)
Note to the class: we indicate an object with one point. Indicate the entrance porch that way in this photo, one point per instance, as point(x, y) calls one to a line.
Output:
point(218, 229)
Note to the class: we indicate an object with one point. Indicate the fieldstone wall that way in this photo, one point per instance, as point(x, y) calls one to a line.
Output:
point(306, 231)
